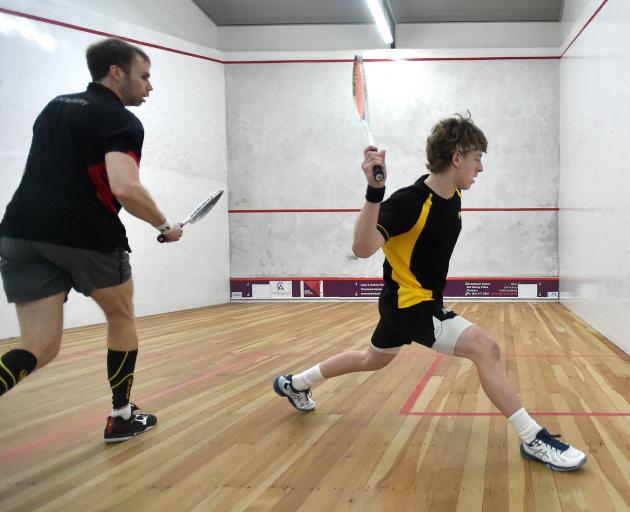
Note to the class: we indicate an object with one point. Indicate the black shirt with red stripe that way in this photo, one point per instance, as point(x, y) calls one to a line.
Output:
point(64, 197)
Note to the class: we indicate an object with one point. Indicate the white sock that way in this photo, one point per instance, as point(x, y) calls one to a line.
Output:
point(125, 412)
point(307, 378)
point(524, 424)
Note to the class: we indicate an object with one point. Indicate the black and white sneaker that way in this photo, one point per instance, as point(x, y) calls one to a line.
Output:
point(119, 429)
point(301, 400)
point(552, 452)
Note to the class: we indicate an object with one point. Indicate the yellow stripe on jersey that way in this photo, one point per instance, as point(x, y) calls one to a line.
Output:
point(398, 251)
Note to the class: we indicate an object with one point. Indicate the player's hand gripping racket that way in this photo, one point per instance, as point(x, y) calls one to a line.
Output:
point(199, 212)
point(359, 91)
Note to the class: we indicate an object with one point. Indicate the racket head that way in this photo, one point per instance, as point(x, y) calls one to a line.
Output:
point(359, 89)
point(203, 208)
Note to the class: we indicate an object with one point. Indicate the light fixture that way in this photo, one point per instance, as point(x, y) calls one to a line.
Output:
point(383, 19)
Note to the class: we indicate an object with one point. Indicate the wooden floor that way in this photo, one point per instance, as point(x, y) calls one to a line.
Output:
point(418, 435)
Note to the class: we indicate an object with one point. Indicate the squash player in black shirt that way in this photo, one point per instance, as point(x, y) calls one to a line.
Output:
point(61, 229)
point(417, 227)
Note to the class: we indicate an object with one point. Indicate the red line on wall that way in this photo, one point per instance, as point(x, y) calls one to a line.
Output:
point(294, 61)
point(409, 59)
point(255, 279)
point(515, 57)
point(354, 210)
point(107, 34)
point(584, 27)
point(330, 278)
point(510, 209)
point(509, 278)
point(301, 210)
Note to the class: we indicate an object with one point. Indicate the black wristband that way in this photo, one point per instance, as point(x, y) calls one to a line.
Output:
point(374, 195)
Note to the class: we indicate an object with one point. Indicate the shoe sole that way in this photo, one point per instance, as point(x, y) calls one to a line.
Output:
point(279, 391)
point(121, 439)
point(527, 456)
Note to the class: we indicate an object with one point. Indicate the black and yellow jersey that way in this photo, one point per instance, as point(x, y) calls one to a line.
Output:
point(420, 230)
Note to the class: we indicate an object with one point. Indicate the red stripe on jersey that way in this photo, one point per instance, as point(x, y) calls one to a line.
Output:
point(98, 175)
point(134, 156)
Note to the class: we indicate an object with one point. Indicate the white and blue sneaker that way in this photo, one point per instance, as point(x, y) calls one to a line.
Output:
point(301, 400)
point(552, 452)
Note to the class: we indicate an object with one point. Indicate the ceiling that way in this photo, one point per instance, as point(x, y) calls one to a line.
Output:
point(324, 12)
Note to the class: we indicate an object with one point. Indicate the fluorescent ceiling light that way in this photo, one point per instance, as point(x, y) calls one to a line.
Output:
point(376, 8)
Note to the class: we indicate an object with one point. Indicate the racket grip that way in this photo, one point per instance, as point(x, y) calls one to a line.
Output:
point(378, 173)
point(162, 238)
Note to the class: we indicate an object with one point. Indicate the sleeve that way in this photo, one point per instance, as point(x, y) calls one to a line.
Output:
point(123, 132)
point(399, 213)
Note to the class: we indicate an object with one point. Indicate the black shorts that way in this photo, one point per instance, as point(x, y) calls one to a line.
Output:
point(428, 323)
point(35, 270)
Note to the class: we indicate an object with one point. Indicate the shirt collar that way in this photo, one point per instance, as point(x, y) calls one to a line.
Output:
point(104, 92)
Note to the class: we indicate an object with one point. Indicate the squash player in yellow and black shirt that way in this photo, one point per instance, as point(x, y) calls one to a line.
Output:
point(417, 227)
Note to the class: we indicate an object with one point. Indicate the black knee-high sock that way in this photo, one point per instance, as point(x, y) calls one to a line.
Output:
point(120, 367)
point(14, 366)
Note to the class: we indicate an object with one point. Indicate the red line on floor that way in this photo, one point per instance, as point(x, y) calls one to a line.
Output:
point(95, 419)
point(532, 413)
point(561, 354)
point(415, 394)
point(406, 409)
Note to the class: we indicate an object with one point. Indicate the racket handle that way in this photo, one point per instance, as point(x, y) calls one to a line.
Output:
point(162, 238)
point(378, 173)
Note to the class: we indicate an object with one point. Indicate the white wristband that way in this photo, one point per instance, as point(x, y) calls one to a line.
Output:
point(165, 228)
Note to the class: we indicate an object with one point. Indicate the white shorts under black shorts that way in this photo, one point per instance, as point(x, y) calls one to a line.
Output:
point(428, 323)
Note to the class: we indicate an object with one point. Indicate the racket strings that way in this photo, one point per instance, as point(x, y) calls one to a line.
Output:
point(204, 207)
point(359, 88)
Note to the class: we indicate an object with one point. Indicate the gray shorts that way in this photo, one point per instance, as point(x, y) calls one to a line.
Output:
point(35, 270)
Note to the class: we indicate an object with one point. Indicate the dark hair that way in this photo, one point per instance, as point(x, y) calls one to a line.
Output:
point(101, 55)
point(450, 136)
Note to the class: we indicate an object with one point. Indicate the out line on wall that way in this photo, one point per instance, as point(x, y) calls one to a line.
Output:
point(71, 26)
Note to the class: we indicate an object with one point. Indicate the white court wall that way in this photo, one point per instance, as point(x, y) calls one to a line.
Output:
point(298, 145)
point(293, 142)
point(594, 244)
point(184, 154)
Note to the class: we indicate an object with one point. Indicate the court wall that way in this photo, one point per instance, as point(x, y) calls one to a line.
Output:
point(549, 204)
point(295, 149)
point(594, 243)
